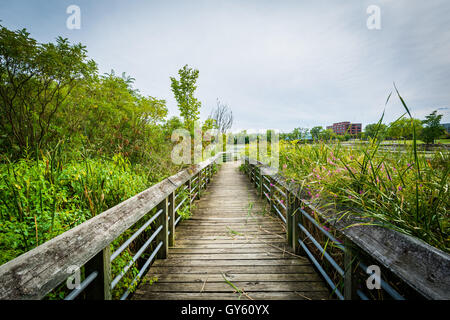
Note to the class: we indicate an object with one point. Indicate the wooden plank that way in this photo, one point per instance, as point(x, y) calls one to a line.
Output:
point(247, 286)
point(247, 222)
point(163, 235)
point(241, 218)
point(172, 217)
point(231, 296)
point(305, 268)
point(229, 233)
point(232, 245)
point(231, 256)
point(240, 247)
point(184, 242)
point(260, 249)
point(234, 226)
point(100, 288)
point(228, 262)
point(241, 277)
point(226, 227)
point(262, 236)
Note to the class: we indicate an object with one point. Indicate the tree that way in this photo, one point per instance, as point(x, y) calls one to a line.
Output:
point(375, 130)
point(298, 133)
point(327, 134)
point(433, 128)
point(315, 132)
point(151, 109)
point(223, 117)
point(403, 128)
point(183, 90)
point(111, 117)
point(35, 81)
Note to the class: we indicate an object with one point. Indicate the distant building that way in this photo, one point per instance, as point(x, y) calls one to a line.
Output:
point(346, 127)
point(446, 127)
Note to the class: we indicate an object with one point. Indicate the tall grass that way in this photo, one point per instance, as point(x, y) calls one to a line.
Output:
point(407, 192)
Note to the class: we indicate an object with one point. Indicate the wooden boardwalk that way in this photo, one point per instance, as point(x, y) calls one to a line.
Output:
point(232, 248)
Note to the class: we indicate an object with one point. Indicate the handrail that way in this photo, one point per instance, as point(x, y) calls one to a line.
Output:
point(423, 268)
point(35, 273)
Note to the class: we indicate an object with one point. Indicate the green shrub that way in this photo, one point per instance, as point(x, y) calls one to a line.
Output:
point(39, 200)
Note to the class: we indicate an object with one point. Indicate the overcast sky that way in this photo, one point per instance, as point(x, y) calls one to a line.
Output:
point(277, 64)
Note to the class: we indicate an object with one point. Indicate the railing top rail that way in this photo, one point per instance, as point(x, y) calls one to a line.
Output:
point(35, 273)
point(423, 267)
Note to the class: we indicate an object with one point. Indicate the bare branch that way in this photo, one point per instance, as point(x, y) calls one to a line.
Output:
point(223, 117)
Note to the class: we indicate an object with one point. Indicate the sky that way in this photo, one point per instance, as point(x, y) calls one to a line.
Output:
point(276, 64)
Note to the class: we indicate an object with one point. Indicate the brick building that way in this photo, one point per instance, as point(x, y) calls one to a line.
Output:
point(346, 127)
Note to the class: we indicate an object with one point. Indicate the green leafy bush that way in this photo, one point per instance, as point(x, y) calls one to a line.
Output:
point(39, 200)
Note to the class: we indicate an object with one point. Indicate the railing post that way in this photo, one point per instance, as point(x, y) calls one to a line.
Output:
point(100, 288)
point(349, 285)
point(253, 176)
point(202, 175)
point(291, 207)
point(189, 188)
point(199, 182)
point(263, 190)
point(271, 194)
point(163, 234)
point(171, 214)
point(261, 182)
point(199, 185)
point(295, 229)
point(257, 148)
point(246, 162)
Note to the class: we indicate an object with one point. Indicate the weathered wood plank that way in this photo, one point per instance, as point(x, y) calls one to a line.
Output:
point(233, 226)
point(247, 286)
point(305, 268)
point(241, 277)
point(231, 296)
point(226, 250)
point(262, 236)
point(228, 262)
point(274, 241)
point(231, 256)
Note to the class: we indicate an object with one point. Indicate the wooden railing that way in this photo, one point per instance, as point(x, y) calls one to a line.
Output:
point(410, 268)
point(37, 272)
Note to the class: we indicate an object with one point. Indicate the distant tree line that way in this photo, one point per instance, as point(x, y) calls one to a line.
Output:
point(427, 130)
